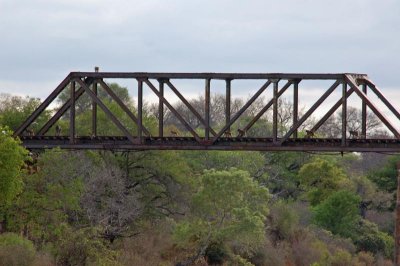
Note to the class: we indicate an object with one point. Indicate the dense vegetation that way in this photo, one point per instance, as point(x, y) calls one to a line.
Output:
point(188, 207)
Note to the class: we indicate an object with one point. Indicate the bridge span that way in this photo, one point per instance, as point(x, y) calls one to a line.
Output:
point(137, 136)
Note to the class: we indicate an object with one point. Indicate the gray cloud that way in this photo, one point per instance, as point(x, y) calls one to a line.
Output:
point(43, 40)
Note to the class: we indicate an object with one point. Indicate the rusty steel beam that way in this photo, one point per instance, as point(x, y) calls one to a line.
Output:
point(266, 107)
point(295, 105)
point(107, 111)
point(207, 109)
point(364, 114)
point(72, 113)
point(228, 103)
point(242, 110)
point(161, 110)
point(190, 143)
point(189, 106)
point(94, 110)
point(350, 80)
point(378, 93)
point(173, 110)
point(344, 113)
point(275, 111)
point(330, 112)
point(122, 105)
point(59, 113)
point(309, 112)
point(42, 106)
point(140, 110)
point(221, 76)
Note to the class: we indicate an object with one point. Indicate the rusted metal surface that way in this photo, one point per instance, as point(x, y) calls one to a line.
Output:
point(214, 137)
point(234, 143)
point(72, 114)
point(161, 110)
point(295, 105)
point(344, 113)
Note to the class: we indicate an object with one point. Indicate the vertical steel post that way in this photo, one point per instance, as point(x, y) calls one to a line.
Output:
point(364, 114)
point(275, 112)
point(397, 225)
point(140, 110)
point(72, 114)
point(295, 105)
point(94, 111)
point(207, 109)
point(228, 103)
point(161, 110)
point(344, 113)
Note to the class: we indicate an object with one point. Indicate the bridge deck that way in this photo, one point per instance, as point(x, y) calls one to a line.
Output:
point(234, 143)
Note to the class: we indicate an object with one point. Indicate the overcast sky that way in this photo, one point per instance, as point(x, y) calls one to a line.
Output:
point(43, 40)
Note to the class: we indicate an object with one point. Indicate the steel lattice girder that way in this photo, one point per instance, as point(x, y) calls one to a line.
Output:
point(87, 83)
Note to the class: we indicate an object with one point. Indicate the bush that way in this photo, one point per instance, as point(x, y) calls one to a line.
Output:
point(269, 255)
point(341, 258)
point(339, 213)
point(215, 254)
point(15, 250)
point(365, 259)
point(367, 237)
point(82, 247)
point(283, 221)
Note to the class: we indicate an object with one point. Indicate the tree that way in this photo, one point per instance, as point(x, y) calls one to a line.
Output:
point(319, 179)
point(228, 205)
point(339, 213)
point(367, 237)
point(85, 101)
point(15, 109)
point(12, 158)
point(282, 173)
point(386, 176)
point(332, 128)
point(50, 196)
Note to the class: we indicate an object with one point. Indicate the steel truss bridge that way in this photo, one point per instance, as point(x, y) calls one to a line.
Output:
point(77, 84)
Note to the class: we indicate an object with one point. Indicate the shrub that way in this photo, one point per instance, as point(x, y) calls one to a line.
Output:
point(283, 221)
point(215, 254)
point(15, 250)
point(341, 258)
point(338, 213)
point(367, 237)
point(365, 259)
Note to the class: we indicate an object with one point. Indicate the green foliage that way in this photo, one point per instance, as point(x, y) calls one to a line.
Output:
point(15, 109)
point(228, 205)
point(386, 177)
point(320, 178)
point(341, 258)
point(82, 247)
point(48, 198)
point(11, 239)
point(367, 237)
point(12, 157)
point(283, 221)
point(338, 213)
point(215, 253)
point(15, 250)
point(252, 162)
point(84, 103)
point(104, 124)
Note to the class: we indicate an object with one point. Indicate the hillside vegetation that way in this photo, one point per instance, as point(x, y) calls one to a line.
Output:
point(163, 208)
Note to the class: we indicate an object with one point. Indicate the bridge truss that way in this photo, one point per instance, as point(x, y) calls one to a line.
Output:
point(77, 84)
